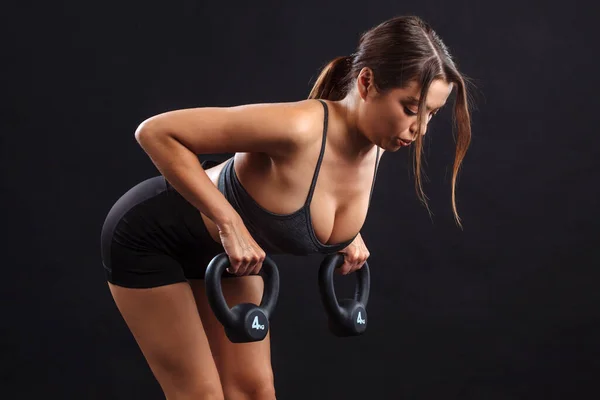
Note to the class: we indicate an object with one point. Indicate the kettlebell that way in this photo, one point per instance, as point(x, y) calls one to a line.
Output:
point(347, 317)
point(245, 322)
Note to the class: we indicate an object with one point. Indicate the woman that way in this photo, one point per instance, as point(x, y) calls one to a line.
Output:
point(160, 236)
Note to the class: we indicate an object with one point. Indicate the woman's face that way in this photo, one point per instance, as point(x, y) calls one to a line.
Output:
point(389, 119)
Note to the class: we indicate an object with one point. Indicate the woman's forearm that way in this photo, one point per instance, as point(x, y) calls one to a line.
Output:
point(181, 167)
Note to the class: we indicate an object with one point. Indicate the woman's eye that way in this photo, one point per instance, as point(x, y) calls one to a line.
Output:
point(412, 114)
point(408, 112)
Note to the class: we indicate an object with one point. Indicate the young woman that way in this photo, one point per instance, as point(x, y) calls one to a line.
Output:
point(300, 183)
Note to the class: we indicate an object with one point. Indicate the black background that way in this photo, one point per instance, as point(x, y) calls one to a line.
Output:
point(506, 309)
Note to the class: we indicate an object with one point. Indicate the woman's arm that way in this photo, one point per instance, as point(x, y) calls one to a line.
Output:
point(173, 139)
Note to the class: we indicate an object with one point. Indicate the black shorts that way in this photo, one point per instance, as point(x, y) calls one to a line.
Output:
point(152, 236)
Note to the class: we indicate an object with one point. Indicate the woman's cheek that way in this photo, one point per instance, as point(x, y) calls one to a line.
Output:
point(397, 125)
point(403, 123)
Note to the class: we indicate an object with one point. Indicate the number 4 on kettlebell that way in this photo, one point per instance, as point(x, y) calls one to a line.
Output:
point(360, 320)
point(256, 324)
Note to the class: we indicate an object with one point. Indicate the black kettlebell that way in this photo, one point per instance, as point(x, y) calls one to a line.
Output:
point(244, 322)
point(347, 317)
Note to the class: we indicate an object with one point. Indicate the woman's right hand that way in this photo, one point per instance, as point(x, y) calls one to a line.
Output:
point(245, 255)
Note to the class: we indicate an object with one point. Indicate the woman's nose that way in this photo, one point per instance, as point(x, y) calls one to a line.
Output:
point(413, 130)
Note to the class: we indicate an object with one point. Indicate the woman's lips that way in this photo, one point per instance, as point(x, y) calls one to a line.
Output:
point(402, 142)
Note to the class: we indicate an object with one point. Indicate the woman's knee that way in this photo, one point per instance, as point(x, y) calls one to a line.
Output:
point(178, 384)
point(254, 385)
point(194, 391)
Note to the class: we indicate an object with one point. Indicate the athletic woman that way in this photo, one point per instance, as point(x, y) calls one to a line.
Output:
point(300, 183)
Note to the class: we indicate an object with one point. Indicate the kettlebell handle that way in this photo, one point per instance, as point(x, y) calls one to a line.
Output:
point(214, 291)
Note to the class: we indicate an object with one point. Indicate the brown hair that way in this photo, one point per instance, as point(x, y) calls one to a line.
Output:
point(399, 51)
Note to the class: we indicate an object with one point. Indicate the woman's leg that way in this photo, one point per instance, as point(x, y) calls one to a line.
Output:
point(165, 323)
point(244, 368)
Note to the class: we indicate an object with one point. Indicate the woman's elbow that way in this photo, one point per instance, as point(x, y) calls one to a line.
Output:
point(147, 130)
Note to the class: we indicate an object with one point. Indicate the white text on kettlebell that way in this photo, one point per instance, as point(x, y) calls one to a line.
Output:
point(359, 319)
point(256, 325)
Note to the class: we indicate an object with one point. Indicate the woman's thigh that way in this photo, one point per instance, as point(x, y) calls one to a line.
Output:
point(165, 323)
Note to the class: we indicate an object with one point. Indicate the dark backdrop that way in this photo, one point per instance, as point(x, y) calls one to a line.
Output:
point(506, 309)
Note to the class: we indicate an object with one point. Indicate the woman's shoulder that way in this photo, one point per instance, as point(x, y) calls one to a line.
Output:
point(302, 119)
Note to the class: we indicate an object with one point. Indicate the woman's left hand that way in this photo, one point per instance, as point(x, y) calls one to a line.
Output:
point(355, 256)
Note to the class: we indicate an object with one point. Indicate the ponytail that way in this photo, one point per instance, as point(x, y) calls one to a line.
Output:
point(333, 79)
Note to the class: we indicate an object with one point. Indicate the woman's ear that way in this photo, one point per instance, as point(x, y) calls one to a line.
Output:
point(364, 81)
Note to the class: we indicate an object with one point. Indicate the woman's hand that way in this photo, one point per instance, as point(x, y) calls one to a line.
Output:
point(355, 256)
point(245, 255)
